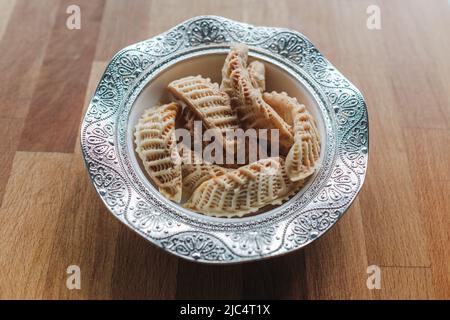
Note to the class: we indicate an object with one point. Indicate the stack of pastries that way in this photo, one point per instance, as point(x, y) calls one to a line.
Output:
point(239, 102)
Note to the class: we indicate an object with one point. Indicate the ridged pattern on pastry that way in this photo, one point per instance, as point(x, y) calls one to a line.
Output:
point(257, 72)
point(195, 170)
point(156, 145)
point(304, 153)
point(238, 52)
point(243, 190)
point(253, 111)
point(211, 105)
point(188, 120)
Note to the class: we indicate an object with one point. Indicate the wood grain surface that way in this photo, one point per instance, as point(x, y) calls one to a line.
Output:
point(51, 217)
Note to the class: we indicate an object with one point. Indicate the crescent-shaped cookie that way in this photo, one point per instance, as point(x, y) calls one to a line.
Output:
point(156, 145)
point(205, 99)
point(302, 158)
point(195, 170)
point(252, 110)
point(257, 72)
point(209, 104)
point(243, 190)
point(238, 52)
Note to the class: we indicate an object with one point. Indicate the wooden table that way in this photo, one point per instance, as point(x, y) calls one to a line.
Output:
point(51, 217)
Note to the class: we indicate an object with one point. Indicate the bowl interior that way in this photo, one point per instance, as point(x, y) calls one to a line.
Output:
point(210, 65)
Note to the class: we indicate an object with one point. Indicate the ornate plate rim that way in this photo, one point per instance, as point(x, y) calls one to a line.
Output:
point(103, 141)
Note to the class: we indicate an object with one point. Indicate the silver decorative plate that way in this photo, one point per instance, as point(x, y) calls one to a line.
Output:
point(107, 144)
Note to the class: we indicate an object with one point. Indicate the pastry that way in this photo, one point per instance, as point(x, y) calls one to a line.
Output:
point(243, 190)
point(304, 153)
point(238, 52)
point(252, 110)
point(208, 103)
point(156, 145)
point(195, 171)
point(257, 73)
